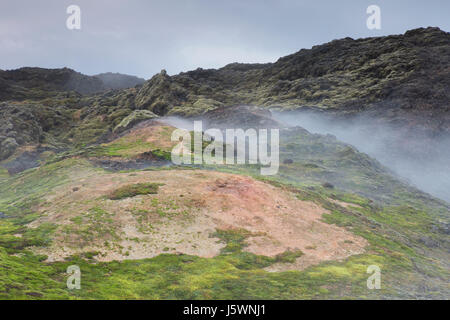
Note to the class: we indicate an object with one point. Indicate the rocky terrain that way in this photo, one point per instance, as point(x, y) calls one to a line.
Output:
point(399, 78)
point(86, 179)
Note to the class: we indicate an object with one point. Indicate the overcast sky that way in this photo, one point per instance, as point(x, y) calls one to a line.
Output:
point(142, 37)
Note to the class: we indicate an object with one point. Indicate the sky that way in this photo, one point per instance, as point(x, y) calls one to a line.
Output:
point(142, 37)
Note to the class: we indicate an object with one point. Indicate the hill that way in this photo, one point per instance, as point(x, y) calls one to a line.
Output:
point(404, 79)
point(119, 81)
point(40, 83)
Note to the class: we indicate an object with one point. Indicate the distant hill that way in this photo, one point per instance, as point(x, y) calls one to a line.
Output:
point(29, 83)
point(118, 80)
point(36, 83)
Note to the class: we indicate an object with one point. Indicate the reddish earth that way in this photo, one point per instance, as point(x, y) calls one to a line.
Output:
point(188, 208)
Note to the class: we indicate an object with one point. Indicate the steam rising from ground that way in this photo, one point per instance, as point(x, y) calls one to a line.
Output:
point(179, 122)
point(423, 161)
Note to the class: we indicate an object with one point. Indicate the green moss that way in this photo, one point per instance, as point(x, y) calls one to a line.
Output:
point(134, 190)
point(88, 131)
point(162, 154)
point(20, 192)
point(96, 223)
point(393, 226)
point(3, 173)
point(134, 118)
point(234, 274)
point(234, 239)
point(127, 148)
point(200, 106)
point(289, 256)
point(235, 243)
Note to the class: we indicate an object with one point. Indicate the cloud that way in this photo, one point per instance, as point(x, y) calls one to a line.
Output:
point(212, 56)
point(143, 37)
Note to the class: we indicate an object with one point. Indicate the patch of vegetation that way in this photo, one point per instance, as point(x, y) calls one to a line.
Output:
point(14, 236)
point(96, 223)
point(234, 239)
point(3, 173)
point(154, 211)
point(24, 190)
point(132, 146)
point(235, 243)
point(134, 190)
point(134, 118)
point(289, 256)
point(234, 274)
point(162, 154)
point(122, 148)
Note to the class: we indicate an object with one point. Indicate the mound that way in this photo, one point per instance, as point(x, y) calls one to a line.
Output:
point(183, 216)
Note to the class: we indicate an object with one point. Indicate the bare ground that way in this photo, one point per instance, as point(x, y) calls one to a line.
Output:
point(182, 217)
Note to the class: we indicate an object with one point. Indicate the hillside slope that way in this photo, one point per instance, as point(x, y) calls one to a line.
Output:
point(402, 78)
point(141, 228)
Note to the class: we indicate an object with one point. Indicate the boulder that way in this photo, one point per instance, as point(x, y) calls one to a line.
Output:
point(7, 147)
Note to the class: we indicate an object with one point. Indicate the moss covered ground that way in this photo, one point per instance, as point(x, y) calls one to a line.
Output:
point(134, 190)
point(406, 230)
point(411, 267)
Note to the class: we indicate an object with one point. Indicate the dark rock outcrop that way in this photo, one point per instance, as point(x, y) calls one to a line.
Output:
point(399, 78)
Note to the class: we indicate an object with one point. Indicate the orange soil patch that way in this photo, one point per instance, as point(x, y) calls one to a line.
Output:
point(188, 208)
point(285, 222)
